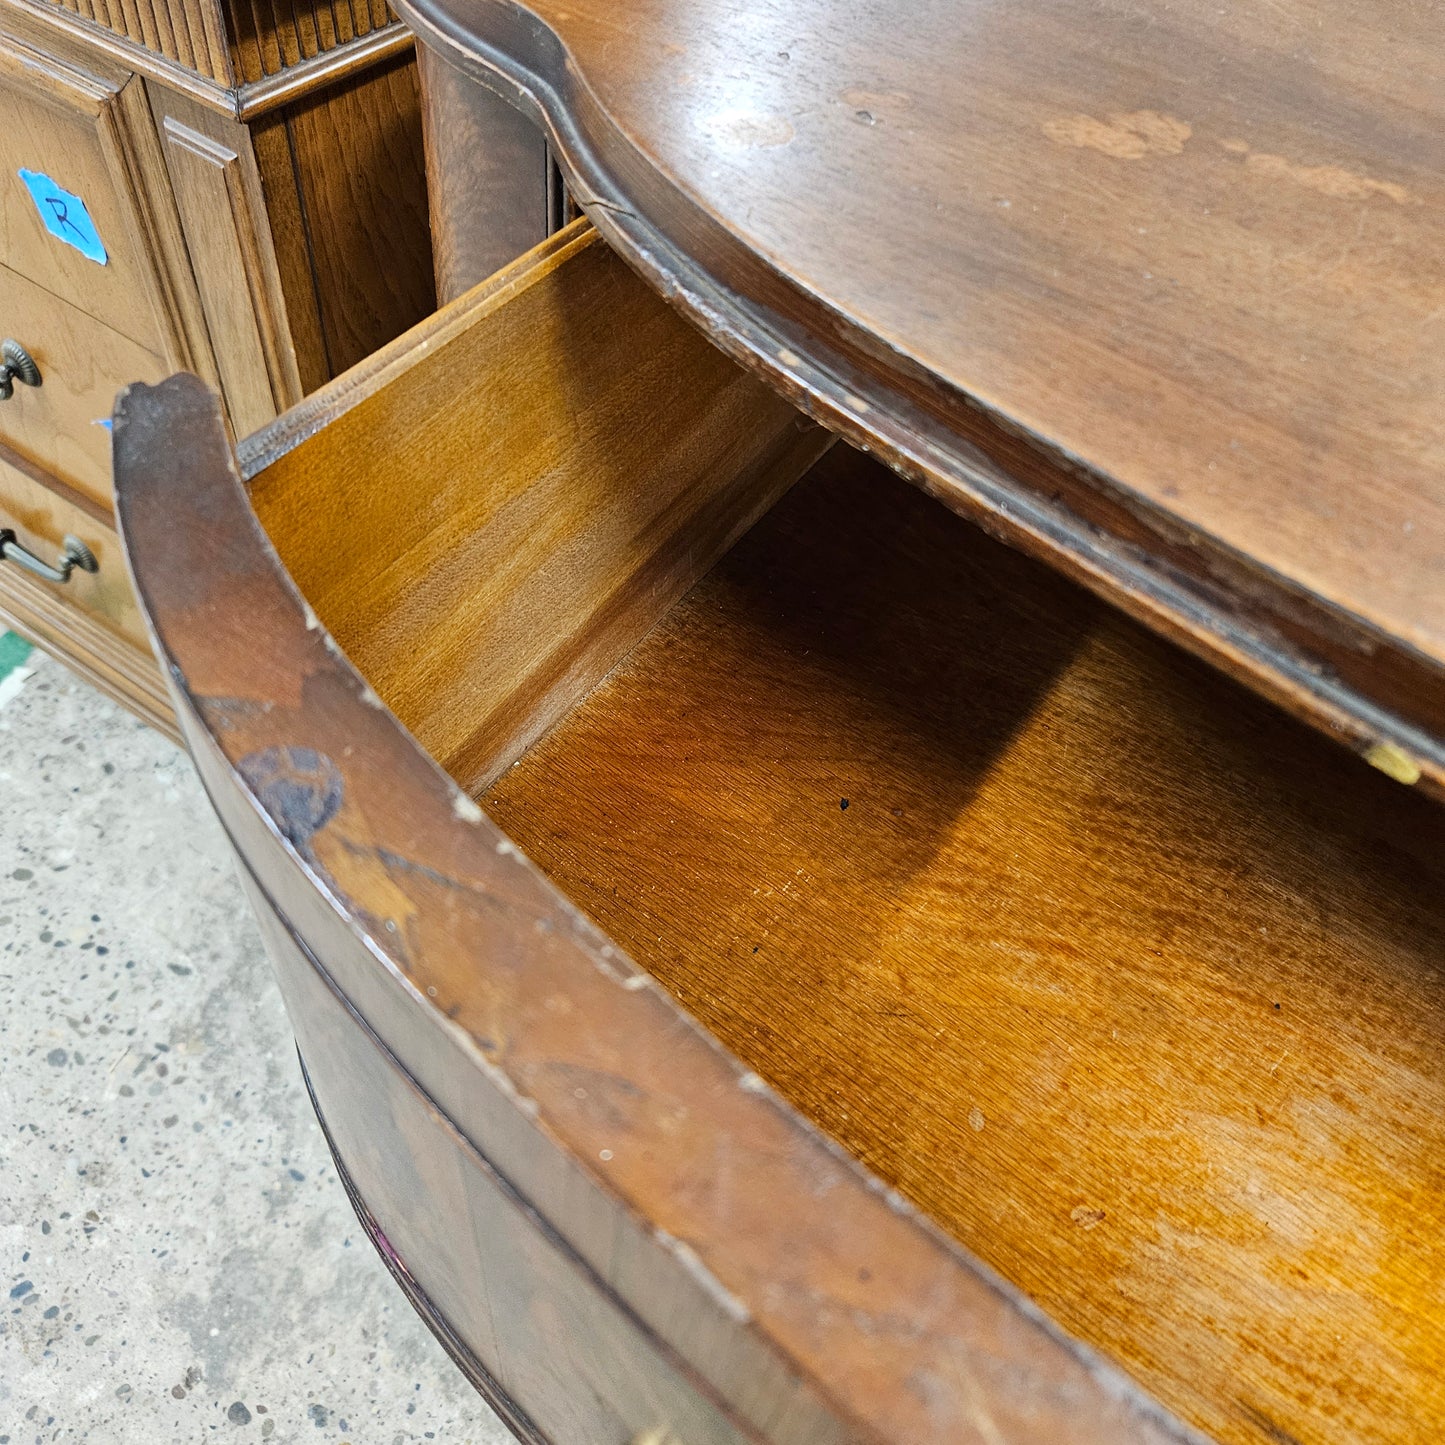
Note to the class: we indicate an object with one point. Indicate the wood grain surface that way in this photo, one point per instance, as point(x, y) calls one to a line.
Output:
point(87, 122)
point(778, 1276)
point(1131, 983)
point(353, 157)
point(193, 32)
point(191, 277)
point(83, 363)
point(236, 42)
point(501, 208)
point(486, 565)
point(63, 122)
point(219, 195)
point(269, 36)
point(179, 32)
point(242, 87)
point(1153, 290)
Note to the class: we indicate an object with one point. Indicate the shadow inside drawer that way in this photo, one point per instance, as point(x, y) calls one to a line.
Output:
point(1126, 979)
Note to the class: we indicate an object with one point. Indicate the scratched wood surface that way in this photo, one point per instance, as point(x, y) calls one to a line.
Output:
point(683, 1195)
point(1154, 289)
point(1134, 985)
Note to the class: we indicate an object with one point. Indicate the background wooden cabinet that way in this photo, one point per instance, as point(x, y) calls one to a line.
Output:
point(256, 185)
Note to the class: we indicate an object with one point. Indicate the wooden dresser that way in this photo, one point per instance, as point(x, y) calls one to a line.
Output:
point(235, 191)
point(842, 763)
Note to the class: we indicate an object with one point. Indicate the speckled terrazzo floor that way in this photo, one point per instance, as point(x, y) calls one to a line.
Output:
point(180, 1263)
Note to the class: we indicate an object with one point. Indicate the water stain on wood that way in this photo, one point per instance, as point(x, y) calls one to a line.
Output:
point(1334, 181)
point(1126, 136)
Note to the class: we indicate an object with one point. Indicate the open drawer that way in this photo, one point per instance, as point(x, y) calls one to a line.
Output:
point(773, 964)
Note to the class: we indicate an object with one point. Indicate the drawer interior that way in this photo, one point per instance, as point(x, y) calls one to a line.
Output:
point(1133, 985)
point(490, 513)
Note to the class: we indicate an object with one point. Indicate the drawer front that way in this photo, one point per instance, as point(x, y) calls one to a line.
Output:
point(82, 364)
point(627, 1231)
point(41, 520)
point(542, 1335)
point(68, 132)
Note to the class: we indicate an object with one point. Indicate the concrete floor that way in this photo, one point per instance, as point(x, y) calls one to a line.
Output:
point(179, 1258)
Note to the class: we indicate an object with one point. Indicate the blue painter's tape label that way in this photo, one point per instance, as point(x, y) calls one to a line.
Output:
point(64, 215)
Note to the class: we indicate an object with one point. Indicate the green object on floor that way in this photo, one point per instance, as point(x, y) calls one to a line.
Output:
point(13, 651)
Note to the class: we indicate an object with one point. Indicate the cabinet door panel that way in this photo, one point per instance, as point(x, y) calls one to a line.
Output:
point(71, 133)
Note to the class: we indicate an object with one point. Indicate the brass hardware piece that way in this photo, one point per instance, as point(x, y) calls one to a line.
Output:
point(74, 554)
point(16, 364)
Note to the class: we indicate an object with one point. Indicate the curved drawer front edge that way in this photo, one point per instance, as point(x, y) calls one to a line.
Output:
point(476, 1372)
point(424, 1187)
point(857, 1321)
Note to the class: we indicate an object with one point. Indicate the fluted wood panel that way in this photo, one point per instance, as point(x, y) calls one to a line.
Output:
point(270, 35)
point(193, 32)
point(235, 42)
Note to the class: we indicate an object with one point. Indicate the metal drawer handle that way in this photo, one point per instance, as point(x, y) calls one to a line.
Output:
point(16, 364)
point(75, 554)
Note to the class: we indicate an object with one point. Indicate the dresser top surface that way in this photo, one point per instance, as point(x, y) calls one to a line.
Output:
point(1190, 254)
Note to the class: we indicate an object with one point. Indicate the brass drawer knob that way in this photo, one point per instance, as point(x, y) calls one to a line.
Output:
point(16, 364)
point(74, 554)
